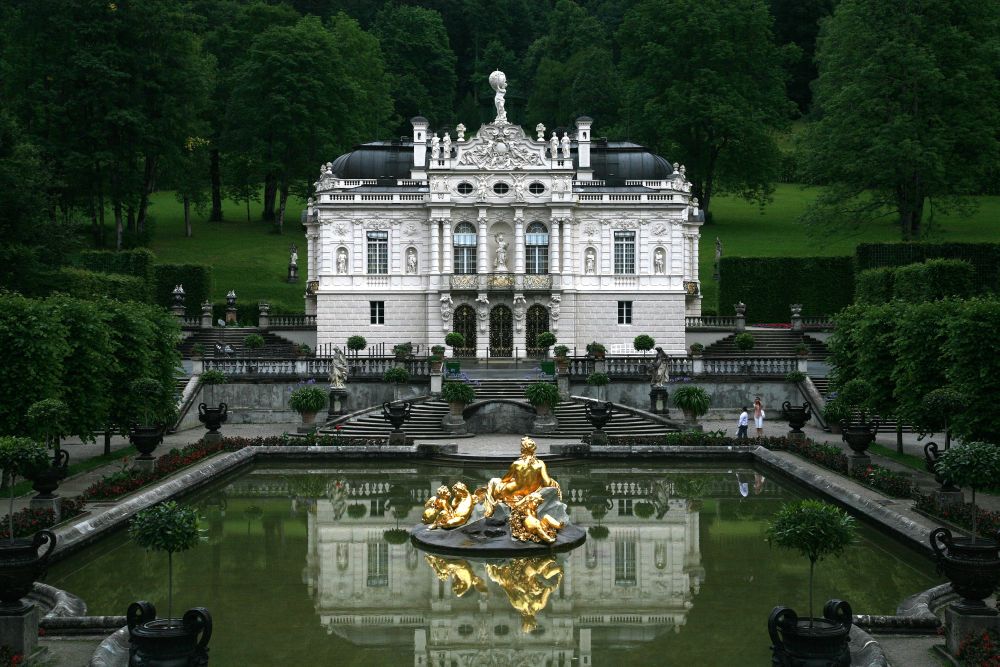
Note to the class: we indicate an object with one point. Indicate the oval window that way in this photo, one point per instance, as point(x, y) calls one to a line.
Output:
point(536, 188)
point(465, 188)
point(501, 188)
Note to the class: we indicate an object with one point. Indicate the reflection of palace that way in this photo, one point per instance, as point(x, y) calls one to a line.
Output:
point(627, 588)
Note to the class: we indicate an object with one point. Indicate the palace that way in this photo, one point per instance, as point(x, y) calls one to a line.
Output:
point(501, 236)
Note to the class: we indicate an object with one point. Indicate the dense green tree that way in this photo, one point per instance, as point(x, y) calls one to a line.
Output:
point(797, 22)
point(187, 173)
point(908, 98)
point(419, 63)
point(707, 90)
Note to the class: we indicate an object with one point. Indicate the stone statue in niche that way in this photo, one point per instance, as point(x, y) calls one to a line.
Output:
point(554, 304)
point(411, 261)
point(554, 145)
point(659, 262)
point(482, 187)
point(590, 262)
point(501, 258)
point(435, 147)
point(483, 311)
point(446, 143)
point(446, 311)
point(342, 261)
point(519, 306)
point(565, 146)
point(498, 81)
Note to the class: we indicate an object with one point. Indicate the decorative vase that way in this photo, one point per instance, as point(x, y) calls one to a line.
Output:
point(145, 439)
point(972, 567)
point(21, 567)
point(797, 415)
point(396, 414)
point(598, 414)
point(930, 464)
point(859, 435)
point(213, 418)
point(168, 642)
point(457, 408)
point(816, 642)
point(46, 480)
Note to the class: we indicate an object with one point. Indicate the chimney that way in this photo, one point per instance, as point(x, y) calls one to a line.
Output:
point(420, 125)
point(583, 123)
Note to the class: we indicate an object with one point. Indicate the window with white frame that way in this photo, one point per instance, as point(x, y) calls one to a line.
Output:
point(465, 248)
point(377, 309)
point(378, 252)
point(536, 242)
point(624, 312)
point(625, 563)
point(378, 564)
point(624, 252)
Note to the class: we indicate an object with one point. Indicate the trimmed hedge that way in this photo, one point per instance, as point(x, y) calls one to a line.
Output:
point(768, 285)
point(874, 286)
point(137, 263)
point(984, 257)
point(21, 269)
point(84, 284)
point(933, 280)
point(196, 279)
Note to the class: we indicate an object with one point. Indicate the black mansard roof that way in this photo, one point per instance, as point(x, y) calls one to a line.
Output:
point(612, 161)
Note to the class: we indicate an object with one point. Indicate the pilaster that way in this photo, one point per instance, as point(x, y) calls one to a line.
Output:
point(482, 229)
point(519, 241)
point(554, 259)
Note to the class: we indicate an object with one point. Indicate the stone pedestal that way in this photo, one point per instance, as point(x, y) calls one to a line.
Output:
point(545, 424)
point(47, 504)
point(562, 383)
point(263, 315)
point(337, 398)
point(397, 439)
point(798, 436)
point(945, 499)
point(178, 312)
point(658, 401)
point(231, 315)
point(960, 626)
point(437, 380)
point(293, 273)
point(454, 424)
point(598, 437)
point(210, 438)
point(206, 315)
point(145, 465)
point(19, 630)
point(858, 462)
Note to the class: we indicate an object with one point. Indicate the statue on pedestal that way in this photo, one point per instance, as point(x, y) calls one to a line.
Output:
point(660, 369)
point(501, 257)
point(338, 369)
point(498, 81)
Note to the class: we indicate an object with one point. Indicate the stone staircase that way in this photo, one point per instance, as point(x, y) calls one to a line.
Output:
point(425, 417)
point(769, 343)
point(887, 425)
point(275, 347)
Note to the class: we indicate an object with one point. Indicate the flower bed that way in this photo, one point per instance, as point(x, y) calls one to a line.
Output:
point(987, 523)
point(887, 481)
point(29, 521)
point(980, 650)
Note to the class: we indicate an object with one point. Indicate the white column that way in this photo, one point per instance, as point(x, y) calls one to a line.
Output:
point(395, 251)
point(447, 241)
point(435, 234)
point(360, 249)
point(519, 244)
point(554, 265)
point(696, 250)
point(568, 252)
point(482, 266)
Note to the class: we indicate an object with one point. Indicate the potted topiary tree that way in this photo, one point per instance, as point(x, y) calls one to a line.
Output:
point(643, 343)
point(816, 530)
point(694, 402)
point(436, 358)
point(149, 406)
point(936, 410)
point(307, 400)
point(402, 351)
point(544, 396)
point(396, 376)
point(802, 350)
point(544, 341)
point(858, 434)
point(561, 353)
point(171, 528)
point(972, 564)
point(457, 394)
point(835, 412)
point(48, 419)
point(697, 349)
point(595, 350)
point(599, 380)
point(356, 343)
point(20, 564)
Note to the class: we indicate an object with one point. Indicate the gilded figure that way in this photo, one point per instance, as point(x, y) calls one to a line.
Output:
point(528, 583)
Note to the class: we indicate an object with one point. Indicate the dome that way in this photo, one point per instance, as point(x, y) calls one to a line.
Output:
point(379, 159)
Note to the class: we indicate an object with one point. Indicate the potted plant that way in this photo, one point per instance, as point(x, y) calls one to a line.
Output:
point(356, 511)
point(253, 341)
point(595, 350)
point(307, 400)
point(599, 380)
point(544, 341)
point(561, 353)
point(972, 564)
point(171, 528)
point(936, 409)
point(795, 377)
point(356, 343)
point(303, 350)
point(212, 376)
point(544, 396)
point(816, 530)
point(402, 351)
point(697, 349)
point(457, 394)
point(834, 412)
point(856, 395)
point(694, 402)
point(643, 343)
point(802, 350)
point(454, 339)
point(437, 357)
point(396, 376)
point(49, 423)
point(150, 408)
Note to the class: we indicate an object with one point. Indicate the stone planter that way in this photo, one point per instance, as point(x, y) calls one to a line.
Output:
point(930, 464)
point(858, 435)
point(145, 439)
point(454, 421)
point(797, 416)
point(46, 481)
point(168, 642)
point(545, 421)
point(308, 424)
point(598, 414)
point(213, 418)
point(396, 414)
point(21, 567)
point(972, 568)
point(818, 642)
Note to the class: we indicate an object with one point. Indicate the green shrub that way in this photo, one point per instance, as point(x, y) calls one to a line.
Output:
point(560, 350)
point(21, 457)
point(92, 285)
point(595, 349)
point(985, 257)
point(767, 285)
point(458, 392)
point(545, 340)
point(933, 280)
point(875, 285)
point(137, 263)
point(49, 420)
point(697, 348)
point(643, 343)
point(692, 399)
point(598, 379)
point(150, 407)
point(21, 269)
point(599, 532)
point(253, 341)
point(403, 349)
point(744, 342)
point(455, 339)
point(396, 375)
point(166, 527)
point(835, 410)
point(437, 351)
point(196, 279)
point(795, 376)
point(356, 511)
point(644, 510)
point(356, 343)
point(309, 398)
point(972, 464)
point(212, 376)
point(303, 350)
point(542, 393)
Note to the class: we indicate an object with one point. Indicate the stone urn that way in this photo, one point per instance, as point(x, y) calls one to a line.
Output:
point(972, 567)
point(859, 435)
point(213, 418)
point(167, 642)
point(396, 414)
point(931, 453)
point(46, 480)
point(817, 642)
point(598, 414)
point(145, 439)
point(797, 416)
point(21, 567)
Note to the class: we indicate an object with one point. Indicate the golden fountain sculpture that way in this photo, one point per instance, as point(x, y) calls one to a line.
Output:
point(526, 497)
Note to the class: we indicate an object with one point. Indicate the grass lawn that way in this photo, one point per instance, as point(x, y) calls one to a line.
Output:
point(748, 231)
point(248, 257)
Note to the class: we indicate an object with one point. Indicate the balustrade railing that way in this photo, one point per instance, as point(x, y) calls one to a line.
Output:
point(500, 281)
point(710, 322)
point(291, 321)
point(637, 366)
point(312, 367)
point(191, 322)
point(751, 366)
point(817, 323)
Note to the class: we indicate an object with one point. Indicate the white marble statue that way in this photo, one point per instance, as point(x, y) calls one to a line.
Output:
point(498, 80)
point(338, 369)
point(565, 146)
point(435, 147)
point(460, 131)
point(411, 261)
point(342, 261)
point(446, 143)
point(660, 369)
point(658, 261)
point(501, 258)
point(554, 145)
point(293, 256)
point(590, 262)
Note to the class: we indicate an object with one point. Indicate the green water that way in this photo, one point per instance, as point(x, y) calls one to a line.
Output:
point(296, 570)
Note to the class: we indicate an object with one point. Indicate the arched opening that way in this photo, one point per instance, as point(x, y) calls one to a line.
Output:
point(464, 241)
point(536, 321)
point(501, 332)
point(536, 245)
point(464, 322)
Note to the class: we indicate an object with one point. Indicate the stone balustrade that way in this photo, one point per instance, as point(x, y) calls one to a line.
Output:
point(637, 366)
point(312, 367)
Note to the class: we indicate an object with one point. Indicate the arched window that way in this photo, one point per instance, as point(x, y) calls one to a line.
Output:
point(465, 248)
point(536, 241)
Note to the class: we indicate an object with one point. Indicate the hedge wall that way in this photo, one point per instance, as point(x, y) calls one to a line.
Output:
point(21, 269)
point(985, 257)
point(137, 263)
point(874, 286)
point(768, 285)
point(84, 284)
point(196, 279)
point(933, 280)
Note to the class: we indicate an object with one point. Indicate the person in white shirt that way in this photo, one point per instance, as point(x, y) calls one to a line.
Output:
point(758, 417)
point(743, 423)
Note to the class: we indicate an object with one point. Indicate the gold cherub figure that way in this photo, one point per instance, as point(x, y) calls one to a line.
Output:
point(436, 505)
point(463, 577)
point(525, 524)
point(456, 512)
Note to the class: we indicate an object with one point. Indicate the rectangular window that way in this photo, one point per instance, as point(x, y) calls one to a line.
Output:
point(625, 562)
point(378, 564)
point(537, 260)
point(377, 309)
point(624, 252)
point(378, 252)
point(624, 312)
point(465, 259)
point(377, 507)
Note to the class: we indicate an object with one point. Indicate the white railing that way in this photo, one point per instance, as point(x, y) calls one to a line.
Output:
point(751, 366)
point(311, 367)
point(388, 197)
point(710, 322)
point(636, 197)
point(637, 366)
point(291, 321)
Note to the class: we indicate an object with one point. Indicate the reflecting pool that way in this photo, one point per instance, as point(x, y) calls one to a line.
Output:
point(311, 566)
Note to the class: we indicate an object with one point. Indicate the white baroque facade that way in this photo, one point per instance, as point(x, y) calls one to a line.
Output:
point(501, 236)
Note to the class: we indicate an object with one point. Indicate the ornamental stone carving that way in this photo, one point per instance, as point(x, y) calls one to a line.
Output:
point(446, 312)
point(482, 311)
point(342, 261)
point(554, 305)
point(501, 147)
point(326, 177)
point(519, 310)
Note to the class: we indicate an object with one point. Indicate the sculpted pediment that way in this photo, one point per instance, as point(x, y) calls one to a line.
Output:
point(501, 146)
